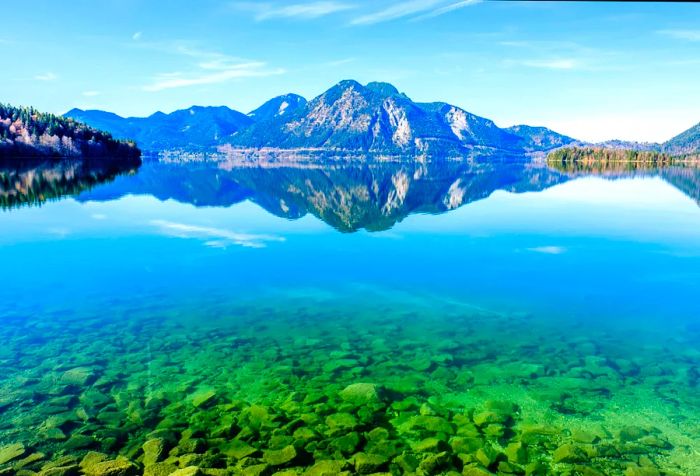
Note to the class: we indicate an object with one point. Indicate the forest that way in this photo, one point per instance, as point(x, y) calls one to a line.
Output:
point(26, 132)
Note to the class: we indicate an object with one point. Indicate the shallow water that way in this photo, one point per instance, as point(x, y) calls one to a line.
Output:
point(510, 319)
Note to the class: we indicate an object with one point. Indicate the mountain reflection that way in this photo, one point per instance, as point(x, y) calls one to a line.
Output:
point(372, 195)
point(29, 182)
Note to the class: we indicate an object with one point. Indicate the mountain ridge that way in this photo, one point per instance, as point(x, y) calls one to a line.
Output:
point(371, 118)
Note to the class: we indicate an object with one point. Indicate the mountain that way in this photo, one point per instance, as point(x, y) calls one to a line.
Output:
point(26, 132)
point(687, 142)
point(377, 118)
point(195, 128)
point(540, 138)
point(275, 108)
point(373, 118)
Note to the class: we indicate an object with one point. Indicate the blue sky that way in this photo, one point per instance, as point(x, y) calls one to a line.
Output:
point(592, 70)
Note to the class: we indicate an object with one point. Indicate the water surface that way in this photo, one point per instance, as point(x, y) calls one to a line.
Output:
point(510, 318)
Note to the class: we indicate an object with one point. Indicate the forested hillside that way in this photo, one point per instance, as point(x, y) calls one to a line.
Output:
point(26, 132)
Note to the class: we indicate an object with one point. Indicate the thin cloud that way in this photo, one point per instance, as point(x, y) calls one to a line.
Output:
point(417, 9)
point(46, 77)
point(688, 35)
point(447, 9)
point(207, 68)
point(243, 70)
point(91, 94)
point(137, 36)
point(340, 62)
point(304, 11)
point(548, 250)
point(214, 237)
point(552, 63)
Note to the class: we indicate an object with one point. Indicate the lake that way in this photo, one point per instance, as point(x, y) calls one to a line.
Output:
point(384, 317)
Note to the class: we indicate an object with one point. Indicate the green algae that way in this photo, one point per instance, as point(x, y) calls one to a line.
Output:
point(403, 392)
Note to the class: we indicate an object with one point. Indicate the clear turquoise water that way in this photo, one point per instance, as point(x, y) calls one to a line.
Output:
point(572, 298)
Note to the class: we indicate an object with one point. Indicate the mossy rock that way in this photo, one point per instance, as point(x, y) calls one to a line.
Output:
point(28, 461)
point(433, 463)
point(72, 470)
point(280, 457)
point(79, 376)
point(516, 452)
point(341, 421)
point(641, 471)
point(569, 453)
point(461, 444)
point(117, 467)
point(346, 444)
point(487, 455)
point(476, 470)
point(11, 452)
point(238, 449)
point(189, 471)
point(489, 417)
point(406, 462)
point(361, 393)
point(326, 468)
point(632, 433)
point(154, 451)
point(369, 463)
point(430, 445)
point(160, 469)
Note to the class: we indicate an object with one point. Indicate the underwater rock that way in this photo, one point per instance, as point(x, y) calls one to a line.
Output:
point(256, 470)
point(341, 421)
point(204, 398)
point(408, 463)
point(641, 471)
point(494, 430)
point(29, 460)
point(333, 365)
point(361, 393)
point(516, 452)
point(79, 376)
point(581, 436)
point(160, 469)
point(429, 445)
point(432, 463)
point(569, 453)
point(632, 433)
point(120, 466)
point(189, 471)
point(378, 434)
point(10, 452)
point(346, 444)
point(79, 442)
point(238, 449)
point(325, 468)
point(368, 463)
point(256, 417)
point(304, 434)
point(461, 444)
point(71, 470)
point(655, 442)
point(475, 470)
point(489, 417)
point(434, 424)
point(153, 451)
point(280, 457)
point(487, 455)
